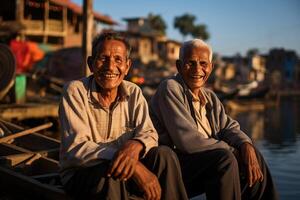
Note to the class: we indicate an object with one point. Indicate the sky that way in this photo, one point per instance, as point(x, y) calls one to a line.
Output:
point(235, 26)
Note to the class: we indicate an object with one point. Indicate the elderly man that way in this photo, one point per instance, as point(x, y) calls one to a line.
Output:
point(109, 145)
point(216, 157)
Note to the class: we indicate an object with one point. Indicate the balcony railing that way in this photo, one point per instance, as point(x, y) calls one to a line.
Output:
point(40, 27)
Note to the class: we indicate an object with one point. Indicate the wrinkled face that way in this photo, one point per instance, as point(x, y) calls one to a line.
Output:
point(110, 64)
point(195, 67)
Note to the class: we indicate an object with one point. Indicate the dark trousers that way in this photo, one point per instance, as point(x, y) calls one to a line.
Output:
point(218, 174)
point(93, 183)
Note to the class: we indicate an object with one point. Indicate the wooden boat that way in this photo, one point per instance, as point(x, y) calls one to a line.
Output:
point(34, 142)
point(29, 164)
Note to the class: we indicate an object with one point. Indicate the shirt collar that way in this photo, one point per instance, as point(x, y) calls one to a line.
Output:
point(123, 92)
point(200, 97)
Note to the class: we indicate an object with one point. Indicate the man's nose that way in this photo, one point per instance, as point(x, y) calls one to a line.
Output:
point(110, 64)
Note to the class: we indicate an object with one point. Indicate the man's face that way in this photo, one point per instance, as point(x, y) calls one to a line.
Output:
point(195, 67)
point(110, 64)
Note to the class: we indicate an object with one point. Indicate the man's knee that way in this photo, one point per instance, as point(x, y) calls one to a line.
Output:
point(226, 158)
point(165, 155)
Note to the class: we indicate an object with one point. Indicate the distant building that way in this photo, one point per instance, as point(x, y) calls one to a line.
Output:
point(283, 65)
point(56, 22)
point(149, 46)
point(258, 68)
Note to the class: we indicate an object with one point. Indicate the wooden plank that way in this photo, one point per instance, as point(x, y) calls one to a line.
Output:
point(20, 112)
point(16, 159)
point(26, 132)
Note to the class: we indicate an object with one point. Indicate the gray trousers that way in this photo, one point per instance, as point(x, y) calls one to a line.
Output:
point(218, 174)
point(93, 183)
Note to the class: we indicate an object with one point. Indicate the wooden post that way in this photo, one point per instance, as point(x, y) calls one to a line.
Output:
point(20, 13)
point(65, 24)
point(88, 19)
point(46, 19)
point(19, 10)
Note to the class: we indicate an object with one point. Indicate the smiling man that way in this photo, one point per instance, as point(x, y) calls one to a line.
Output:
point(216, 157)
point(109, 145)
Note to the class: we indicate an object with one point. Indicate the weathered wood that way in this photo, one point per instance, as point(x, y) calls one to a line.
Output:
point(19, 10)
point(26, 132)
point(16, 159)
point(28, 110)
point(46, 18)
point(88, 19)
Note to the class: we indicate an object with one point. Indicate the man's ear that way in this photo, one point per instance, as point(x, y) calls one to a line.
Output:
point(178, 65)
point(90, 63)
point(128, 64)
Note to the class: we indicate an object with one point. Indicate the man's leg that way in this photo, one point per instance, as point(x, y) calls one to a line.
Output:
point(93, 183)
point(163, 162)
point(264, 190)
point(214, 172)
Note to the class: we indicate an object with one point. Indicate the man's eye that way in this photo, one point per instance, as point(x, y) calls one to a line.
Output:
point(101, 59)
point(118, 60)
point(192, 63)
point(204, 64)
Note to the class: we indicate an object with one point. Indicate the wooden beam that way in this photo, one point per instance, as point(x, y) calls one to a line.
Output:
point(20, 14)
point(46, 19)
point(26, 132)
point(65, 23)
point(19, 10)
point(88, 19)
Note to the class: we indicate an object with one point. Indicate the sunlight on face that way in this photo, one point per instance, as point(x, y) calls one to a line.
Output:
point(110, 64)
point(195, 67)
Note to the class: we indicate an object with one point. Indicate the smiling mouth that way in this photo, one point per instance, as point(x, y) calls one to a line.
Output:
point(109, 75)
point(198, 76)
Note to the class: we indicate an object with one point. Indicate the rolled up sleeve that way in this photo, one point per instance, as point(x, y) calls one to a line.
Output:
point(144, 130)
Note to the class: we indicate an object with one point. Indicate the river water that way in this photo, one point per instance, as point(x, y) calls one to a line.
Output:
point(276, 133)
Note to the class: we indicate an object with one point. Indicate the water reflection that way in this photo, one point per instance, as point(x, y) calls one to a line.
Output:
point(276, 132)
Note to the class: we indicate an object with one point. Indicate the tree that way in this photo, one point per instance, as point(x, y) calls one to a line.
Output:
point(200, 31)
point(251, 52)
point(184, 24)
point(157, 23)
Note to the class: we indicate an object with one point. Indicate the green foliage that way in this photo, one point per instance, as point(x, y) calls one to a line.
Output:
point(157, 23)
point(185, 25)
point(199, 31)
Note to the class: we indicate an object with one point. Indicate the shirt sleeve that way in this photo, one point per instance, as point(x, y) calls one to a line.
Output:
point(230, 131)
point(144, 129)
point(77, 145)
point(179, 123)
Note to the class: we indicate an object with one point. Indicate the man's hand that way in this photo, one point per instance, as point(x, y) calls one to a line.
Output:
point(124, 163)
point(251, 164)
point(147, 182)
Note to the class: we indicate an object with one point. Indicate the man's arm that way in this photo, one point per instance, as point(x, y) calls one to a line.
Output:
point(231, 133)
point(250, 162)
point(229, 129)
point(144, 130)
point(179, 123)
point(124, 164)
point(147, 182)
point(145, 137)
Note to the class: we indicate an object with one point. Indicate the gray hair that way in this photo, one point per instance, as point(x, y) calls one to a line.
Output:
point(194, 43)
